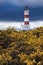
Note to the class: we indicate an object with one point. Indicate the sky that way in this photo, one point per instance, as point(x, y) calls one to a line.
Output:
point(13, 10)
point(21, 2)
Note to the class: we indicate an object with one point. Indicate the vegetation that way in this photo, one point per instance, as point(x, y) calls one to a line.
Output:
point(21, 47)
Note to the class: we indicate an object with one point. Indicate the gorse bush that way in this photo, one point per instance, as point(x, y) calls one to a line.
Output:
point(21, 47)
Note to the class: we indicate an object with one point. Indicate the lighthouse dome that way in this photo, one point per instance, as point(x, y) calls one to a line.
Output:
point(26, 8)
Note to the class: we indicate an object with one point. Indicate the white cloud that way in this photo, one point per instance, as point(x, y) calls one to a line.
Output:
point(4, 25)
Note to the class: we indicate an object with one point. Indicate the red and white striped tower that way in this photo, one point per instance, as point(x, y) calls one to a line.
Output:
point(26, 25)
point(26, 16)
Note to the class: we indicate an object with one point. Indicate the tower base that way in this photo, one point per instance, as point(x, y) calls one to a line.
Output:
point(25, 27)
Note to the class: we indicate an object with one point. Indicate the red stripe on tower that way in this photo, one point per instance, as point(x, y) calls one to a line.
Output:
point(26, 16)
point(26, 23)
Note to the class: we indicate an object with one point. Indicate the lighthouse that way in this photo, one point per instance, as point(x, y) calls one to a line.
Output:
point(26, 25)
point(26, 16)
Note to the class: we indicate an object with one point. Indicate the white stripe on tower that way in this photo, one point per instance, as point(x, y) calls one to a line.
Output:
point(26, 19)
point(26, 12)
